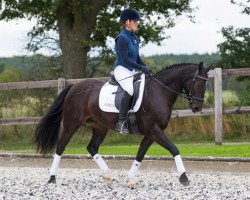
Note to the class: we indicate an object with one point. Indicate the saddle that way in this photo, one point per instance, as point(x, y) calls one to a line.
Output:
point(119, 93)
point(111, 94)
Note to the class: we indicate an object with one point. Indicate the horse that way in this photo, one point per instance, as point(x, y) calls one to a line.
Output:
point(77, 105)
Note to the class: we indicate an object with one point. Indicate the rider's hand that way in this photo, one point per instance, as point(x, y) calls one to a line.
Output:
point(146, 70)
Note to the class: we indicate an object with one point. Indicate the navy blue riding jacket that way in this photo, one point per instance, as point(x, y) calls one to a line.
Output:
point(127, 50)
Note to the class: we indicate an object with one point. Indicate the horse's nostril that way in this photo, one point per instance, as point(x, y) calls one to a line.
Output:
point(196, 109)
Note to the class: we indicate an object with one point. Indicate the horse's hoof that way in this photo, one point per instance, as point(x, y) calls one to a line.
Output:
point(52, 179)
point(184, 179)
point(132, 183)
point(107, 179)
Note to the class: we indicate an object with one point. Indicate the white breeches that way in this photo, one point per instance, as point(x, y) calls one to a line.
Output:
point(125, 78)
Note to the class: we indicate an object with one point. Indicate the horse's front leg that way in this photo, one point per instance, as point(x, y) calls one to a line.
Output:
point(162, 140)
point(145, 144)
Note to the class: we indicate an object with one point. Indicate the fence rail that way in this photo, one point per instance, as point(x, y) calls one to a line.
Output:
point(41, 84)
point(218, 111)
point(175, 114)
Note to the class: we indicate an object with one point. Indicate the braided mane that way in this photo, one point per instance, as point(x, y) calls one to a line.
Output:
point(174, 66)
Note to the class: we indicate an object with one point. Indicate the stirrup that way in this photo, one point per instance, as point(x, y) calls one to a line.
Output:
point(121, 127)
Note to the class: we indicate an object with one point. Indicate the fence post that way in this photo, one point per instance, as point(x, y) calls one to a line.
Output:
point(61, 85)
point(218, 105)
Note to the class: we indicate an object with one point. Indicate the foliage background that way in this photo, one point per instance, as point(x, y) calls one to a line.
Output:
point(233, 52)
point(27, 103)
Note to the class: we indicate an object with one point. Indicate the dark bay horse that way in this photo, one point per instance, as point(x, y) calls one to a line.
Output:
point(77, 105)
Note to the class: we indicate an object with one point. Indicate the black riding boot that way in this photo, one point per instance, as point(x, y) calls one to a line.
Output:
point(121, 126)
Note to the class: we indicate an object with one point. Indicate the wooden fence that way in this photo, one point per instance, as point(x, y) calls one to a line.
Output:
point(218, 111)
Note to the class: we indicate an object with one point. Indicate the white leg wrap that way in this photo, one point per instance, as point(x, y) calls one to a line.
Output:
point(101, 163)
point(134, 169)
point(179, 164)
point(55, 165)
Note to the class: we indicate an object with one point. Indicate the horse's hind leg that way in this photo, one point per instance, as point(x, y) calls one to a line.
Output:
point(162, 140)
point(99, 134)
point(145, 144)
point(67, 130)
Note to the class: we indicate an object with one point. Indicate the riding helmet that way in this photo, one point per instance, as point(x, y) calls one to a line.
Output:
point(129, 14)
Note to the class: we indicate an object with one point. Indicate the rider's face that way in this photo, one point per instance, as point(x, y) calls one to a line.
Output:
point(132, 24)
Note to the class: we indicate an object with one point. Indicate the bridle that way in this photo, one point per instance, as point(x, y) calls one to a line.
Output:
point(190, 96)
point(187, 95)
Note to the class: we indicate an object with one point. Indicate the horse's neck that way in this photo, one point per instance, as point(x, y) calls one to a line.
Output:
point(174, 79)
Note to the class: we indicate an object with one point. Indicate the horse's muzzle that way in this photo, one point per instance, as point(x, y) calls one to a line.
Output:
point(195, 107)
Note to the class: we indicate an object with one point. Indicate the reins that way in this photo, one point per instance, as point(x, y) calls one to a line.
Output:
point(182, 94)
point(185, 95)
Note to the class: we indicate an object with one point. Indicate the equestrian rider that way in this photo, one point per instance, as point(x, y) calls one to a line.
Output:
point(127, 62)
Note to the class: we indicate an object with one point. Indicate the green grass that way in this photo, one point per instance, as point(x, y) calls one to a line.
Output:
point(199, 150)
point(116, 144)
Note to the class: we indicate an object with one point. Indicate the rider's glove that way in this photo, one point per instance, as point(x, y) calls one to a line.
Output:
point(146, 70)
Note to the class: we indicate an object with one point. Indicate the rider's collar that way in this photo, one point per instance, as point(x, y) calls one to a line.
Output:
point(128, 32)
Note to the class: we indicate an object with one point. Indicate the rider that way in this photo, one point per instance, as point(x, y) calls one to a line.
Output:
point(127, 61)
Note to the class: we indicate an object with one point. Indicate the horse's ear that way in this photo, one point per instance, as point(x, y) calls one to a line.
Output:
point(209, 67)
point(200, 66)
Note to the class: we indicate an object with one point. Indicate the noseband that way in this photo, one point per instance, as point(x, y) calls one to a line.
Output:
point(187, 95)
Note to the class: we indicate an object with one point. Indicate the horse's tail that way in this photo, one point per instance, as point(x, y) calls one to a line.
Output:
point(46, 134)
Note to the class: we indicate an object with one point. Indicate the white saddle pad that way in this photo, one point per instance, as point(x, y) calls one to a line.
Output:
point(107, 99)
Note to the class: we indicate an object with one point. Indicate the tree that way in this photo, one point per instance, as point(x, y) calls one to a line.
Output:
point(244, 4)
point(235, 50)
point(83, 24)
